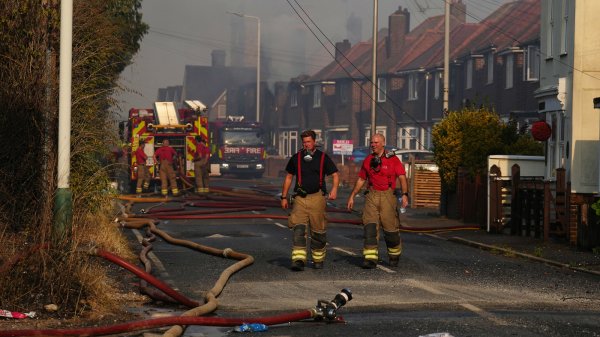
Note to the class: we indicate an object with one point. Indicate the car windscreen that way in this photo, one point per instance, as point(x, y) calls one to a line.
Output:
point(242, 138)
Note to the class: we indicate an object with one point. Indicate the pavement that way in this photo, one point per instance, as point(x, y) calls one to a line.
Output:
point(556, 252)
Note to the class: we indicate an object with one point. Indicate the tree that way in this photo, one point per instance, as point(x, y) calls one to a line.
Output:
point(467, 137)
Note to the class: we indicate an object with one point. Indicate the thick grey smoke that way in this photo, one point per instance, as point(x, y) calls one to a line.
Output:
point(187, 31)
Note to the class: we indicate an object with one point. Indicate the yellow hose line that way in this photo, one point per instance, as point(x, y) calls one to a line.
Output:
point(210, 297)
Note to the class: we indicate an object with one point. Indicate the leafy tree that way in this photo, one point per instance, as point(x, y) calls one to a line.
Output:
point(467, 137)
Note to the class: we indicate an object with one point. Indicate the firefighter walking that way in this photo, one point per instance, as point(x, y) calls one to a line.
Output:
point(310, 166)
point(201, 157)
point(143, 173)
point(382, 172)
point(166, 156)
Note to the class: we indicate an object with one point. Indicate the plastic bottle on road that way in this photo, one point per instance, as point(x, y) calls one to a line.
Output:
point(251, 327)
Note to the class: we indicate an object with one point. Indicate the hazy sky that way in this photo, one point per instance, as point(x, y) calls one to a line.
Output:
point(187, 31)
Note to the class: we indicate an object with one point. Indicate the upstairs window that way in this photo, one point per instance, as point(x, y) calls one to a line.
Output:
point(413, 84)
point(510, 59)
point(490, 68)
point(437, 77)
point(317, 96)
point(532, 64)
point(343, 92)
point(294, 98)
point(564, 37)
point(469, 74)
point(382, 89)
point(549, 29)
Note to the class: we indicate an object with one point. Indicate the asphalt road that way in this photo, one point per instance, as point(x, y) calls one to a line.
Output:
point(440, 286)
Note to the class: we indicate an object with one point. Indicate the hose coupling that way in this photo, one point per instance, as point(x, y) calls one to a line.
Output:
point(328, 309)
point(227, 251)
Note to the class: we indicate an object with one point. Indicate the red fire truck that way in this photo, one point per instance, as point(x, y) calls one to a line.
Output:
point(165, 121)
point(238, 146)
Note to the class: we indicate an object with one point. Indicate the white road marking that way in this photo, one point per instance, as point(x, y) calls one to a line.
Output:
point(420, 285)
point(347, 252)
point(344, 251)
point(280, 225)
point(484, 313)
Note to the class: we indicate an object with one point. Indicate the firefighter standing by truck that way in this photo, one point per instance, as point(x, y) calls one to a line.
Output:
point(166, 156)
point(201, 157)
point(310, 167)
point(143, 172)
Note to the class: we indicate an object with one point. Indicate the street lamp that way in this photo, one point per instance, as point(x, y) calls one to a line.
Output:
point(257, 60)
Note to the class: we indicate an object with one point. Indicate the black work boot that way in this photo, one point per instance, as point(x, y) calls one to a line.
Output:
point(394, 259)
point(369, 264)
point(318, 265)
point(297, 265)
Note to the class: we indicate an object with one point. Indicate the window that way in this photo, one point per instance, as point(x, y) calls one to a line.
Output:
point(294, 98)
point(564, 37)
point(382, 89)
point(317, 96)
point(469, 74)
point(413, 83)
point(532, 64)
point(221, 111)
point(509, 70)
point(436, 84)
point(378, 129)
point(343, 92)
point(490, 68)
point(288, 143)
point(549, 30)
point(408, 138)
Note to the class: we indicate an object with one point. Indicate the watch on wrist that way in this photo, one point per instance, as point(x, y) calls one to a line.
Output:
point(405, 193)
point(283, 197)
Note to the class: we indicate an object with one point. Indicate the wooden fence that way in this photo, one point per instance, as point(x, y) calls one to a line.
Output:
point(528, 205)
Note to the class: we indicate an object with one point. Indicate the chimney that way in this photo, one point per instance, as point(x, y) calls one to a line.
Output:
point(398, 27)
point(341, 49)
point(218, 58)
point(458, 13)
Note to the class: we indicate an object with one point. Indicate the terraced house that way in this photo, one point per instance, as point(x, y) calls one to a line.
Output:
point(494, 62)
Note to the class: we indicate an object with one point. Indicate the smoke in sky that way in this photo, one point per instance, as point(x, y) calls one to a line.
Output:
point(187, 31)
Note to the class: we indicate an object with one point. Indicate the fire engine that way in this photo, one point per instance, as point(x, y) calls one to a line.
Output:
point(165, 121)
point(237, 146)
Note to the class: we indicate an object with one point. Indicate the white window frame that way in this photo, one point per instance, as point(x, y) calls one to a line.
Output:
point(469, 74)
point(490, 68)
point(381, 89)
point(221, 111)
point(564, 27)
point(531, 70)
point(509, 70)
point(288, 143)
point(294, 98)
point(378, 129)
point(317, 96)
point(413, 86)
point(436, 84)
point(549, 30)
point(408, 138)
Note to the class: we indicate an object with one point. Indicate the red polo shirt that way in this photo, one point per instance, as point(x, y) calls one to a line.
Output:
point(165, 153)
point(386, 177)
point(140, 156)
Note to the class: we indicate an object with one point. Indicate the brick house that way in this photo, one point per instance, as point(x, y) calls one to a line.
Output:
point(495, 62)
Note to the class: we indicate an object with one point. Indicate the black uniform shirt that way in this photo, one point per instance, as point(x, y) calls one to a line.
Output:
point(310, 171)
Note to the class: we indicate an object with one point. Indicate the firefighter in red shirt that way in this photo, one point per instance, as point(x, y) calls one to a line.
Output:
point(143, 173)
point(201, 165)
point(382, 172)
point(166, 156)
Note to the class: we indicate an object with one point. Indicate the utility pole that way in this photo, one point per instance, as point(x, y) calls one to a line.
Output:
point(63, 202)
point(374, 70)
point(446, 56)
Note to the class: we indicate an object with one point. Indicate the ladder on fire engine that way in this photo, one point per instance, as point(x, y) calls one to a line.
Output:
point(166, 113)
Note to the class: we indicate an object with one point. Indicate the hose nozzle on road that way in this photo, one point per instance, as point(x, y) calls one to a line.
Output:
point(328, 309)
